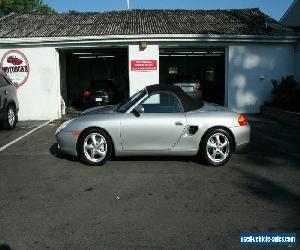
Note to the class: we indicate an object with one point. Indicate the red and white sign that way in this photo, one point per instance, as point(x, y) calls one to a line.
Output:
point(143, 65)
point(15, 64)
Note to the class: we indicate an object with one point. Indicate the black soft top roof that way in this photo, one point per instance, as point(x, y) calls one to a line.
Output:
point(188, 103)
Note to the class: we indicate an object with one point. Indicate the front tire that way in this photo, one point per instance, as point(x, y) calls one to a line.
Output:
point(10, 117)
point(217, 147)
point(95, 147)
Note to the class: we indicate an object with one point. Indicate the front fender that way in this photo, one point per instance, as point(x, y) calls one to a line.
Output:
point(108, 122)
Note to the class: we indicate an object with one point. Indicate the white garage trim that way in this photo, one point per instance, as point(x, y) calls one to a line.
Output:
point(69, 41)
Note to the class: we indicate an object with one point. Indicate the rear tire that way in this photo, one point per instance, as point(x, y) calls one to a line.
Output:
point(216, 147)
point(10, 117)
point(95, 147)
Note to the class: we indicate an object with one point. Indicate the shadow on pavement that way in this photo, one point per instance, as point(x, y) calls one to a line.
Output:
point(5, 247)
point(273, 145)
point(268, 163)
point(269, 191)
point(54, 150)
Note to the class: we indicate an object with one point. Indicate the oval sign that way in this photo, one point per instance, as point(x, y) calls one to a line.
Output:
point(15, 64)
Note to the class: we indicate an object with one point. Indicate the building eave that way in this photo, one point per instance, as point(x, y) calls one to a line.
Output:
point(65, 41)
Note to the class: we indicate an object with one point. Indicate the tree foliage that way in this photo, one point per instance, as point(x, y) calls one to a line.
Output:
point(72, 12)
point(24, 6)
point(286, 94)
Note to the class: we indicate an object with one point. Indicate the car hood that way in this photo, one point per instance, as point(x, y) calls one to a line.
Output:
point(100, 110)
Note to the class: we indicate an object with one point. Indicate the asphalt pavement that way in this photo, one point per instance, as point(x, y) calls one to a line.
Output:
point(23, 127)
point(50, 201)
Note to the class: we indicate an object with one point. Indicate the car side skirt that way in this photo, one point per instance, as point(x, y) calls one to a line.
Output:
point(191, 152)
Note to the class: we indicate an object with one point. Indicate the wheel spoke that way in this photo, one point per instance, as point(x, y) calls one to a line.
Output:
point(94, 140)
point(92, 153)
point(211, 144)
point(99, 152)
point(225, 144)
point(101, 142)
point(88, 146)
point(218, 139)
point(222, 155)
point(214, 154)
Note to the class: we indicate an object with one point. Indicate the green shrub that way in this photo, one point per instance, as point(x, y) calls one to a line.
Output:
point(286, 94)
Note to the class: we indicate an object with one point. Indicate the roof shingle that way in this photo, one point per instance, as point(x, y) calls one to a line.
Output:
point(139, 22)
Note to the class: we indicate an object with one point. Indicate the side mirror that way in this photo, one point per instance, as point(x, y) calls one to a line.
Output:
point(138, 110)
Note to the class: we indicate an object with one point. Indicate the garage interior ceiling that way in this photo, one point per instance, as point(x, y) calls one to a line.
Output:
point(94, 55)
point(192, 52)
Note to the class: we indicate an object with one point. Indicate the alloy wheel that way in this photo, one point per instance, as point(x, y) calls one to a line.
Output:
point(218, 147)
point(11, 117)
point(95, 147)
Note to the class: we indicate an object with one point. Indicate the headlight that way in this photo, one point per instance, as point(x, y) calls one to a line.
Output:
point(62, 126)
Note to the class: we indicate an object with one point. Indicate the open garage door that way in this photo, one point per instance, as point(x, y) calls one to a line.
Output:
point(204, 66)
point(95, 77)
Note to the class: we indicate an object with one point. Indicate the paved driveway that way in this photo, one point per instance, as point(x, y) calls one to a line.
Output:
point(48, 201)
point(7, 136)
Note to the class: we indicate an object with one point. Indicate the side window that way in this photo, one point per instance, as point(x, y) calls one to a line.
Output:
point(162, 103)
point(3, 81)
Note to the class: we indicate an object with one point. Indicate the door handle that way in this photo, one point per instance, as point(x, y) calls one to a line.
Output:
point(5, 92)
point(179, 123)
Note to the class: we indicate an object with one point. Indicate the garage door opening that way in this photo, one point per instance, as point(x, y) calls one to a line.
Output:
point(94, 77)
point(203, 66)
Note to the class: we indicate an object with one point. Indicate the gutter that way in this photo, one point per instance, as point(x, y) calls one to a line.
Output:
point(64, 41)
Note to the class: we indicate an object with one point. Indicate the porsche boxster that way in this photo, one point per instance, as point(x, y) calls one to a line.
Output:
point(157, 120)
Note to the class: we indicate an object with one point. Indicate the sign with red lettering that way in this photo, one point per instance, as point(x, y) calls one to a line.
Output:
point(14, 63)
point(143, 65)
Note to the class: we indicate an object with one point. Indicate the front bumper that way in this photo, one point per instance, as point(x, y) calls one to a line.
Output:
point(67, 142)
point(242, 136)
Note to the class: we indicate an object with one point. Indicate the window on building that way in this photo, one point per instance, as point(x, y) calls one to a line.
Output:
point(210, 75)
point(173, 70)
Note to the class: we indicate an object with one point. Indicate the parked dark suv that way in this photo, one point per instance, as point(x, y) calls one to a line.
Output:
point(9, 105)
point(100, 93)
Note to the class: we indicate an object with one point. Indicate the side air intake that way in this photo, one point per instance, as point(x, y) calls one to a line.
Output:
point(193, 130)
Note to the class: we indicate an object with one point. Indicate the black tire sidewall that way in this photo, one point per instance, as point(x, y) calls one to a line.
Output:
point(81, 150)
point(204, 143)
point(7, 125)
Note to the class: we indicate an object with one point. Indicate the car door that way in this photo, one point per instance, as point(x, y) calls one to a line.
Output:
point(3, 92)
point(158, 127)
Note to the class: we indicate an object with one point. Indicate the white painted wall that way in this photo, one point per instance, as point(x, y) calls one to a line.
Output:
point(139, 79)
point(39, 97)
point(246, 64)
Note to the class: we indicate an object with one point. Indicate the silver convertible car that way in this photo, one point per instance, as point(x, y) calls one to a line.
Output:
point(158, 120)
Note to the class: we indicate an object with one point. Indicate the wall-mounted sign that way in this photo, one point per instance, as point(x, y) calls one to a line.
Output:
point(143, 65)
point(14, 63)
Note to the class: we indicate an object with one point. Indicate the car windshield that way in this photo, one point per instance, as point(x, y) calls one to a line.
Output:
point(131, 101)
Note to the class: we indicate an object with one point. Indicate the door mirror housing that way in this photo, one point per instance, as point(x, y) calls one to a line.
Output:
point(138, 110)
